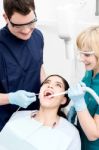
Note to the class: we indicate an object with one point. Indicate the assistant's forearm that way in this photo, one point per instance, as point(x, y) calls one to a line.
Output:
point(88, 125)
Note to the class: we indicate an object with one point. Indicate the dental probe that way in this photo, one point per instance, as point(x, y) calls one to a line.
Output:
point(57, 94)
point(85, 89)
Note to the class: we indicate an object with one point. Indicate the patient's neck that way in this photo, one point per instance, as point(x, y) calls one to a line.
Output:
point(48, 117)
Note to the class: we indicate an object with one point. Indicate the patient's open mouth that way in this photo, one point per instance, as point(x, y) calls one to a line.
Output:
point(48, 93)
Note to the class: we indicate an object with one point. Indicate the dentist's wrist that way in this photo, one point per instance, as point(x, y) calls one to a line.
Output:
point(4, 99)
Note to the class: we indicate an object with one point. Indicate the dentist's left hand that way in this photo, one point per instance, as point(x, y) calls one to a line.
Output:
point(21, 98)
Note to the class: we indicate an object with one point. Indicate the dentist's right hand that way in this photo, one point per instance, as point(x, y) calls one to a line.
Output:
point(21, 98)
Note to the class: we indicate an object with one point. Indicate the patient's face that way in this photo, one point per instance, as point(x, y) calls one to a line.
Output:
point(52, 85)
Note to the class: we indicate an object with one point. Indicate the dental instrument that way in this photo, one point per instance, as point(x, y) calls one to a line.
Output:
point(85, 89)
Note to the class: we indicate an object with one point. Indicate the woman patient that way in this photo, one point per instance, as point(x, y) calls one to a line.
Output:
point(46, 128)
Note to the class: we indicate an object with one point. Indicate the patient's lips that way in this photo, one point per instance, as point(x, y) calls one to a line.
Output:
point(48, 93)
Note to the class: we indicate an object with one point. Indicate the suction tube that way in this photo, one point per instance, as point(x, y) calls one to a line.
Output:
point(89, 90)
point(85, 89)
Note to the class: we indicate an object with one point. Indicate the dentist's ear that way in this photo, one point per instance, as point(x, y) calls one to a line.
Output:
point(5, 17)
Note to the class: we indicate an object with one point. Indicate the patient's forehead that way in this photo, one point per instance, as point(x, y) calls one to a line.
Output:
point(55, 79)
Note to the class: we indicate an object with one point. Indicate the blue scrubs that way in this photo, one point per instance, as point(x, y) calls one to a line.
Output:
point(93, 108)
point(20, 64)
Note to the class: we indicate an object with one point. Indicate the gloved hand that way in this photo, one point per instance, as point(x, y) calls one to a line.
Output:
point(71, 115)
point(76, 94)
point(21, 98)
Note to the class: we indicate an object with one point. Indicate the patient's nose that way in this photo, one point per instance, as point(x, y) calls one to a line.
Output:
point(50, 86)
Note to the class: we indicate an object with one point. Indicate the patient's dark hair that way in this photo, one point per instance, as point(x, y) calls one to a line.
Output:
point(66, 85)
point(20, 6)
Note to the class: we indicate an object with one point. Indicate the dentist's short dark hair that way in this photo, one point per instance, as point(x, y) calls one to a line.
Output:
point(20, 6)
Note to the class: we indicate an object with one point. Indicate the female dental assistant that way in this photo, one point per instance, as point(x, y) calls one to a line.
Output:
point(86, 106)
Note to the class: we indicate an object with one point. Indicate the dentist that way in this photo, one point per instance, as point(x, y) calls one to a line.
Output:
point(21, 58)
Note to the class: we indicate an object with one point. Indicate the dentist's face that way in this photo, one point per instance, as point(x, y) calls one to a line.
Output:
point(21, 26)
point(52, 85)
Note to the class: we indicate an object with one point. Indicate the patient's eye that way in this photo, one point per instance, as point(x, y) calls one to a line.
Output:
point(46, 82)
point(59, 84)
point(54, 83)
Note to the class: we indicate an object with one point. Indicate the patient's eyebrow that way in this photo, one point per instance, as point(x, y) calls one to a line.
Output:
point(47, 81)
point(58, 82)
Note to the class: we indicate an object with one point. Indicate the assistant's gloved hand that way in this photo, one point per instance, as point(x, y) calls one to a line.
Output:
point(76, 94)
point(21, 98)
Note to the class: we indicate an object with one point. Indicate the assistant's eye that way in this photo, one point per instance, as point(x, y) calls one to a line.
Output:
point(87, 55)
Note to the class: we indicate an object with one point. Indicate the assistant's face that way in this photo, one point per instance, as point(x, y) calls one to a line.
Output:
point(90, 60)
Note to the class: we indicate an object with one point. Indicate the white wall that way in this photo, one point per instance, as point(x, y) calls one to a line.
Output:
point(2, 22)
point(54, 50)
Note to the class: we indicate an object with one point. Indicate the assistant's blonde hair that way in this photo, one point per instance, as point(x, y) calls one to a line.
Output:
point(89, 39)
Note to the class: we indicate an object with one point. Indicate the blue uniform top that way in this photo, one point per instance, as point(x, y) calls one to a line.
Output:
point(93, 108)
point(20, 64)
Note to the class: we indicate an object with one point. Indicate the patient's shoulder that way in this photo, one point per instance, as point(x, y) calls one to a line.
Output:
point(68, 127)
point(21, 114)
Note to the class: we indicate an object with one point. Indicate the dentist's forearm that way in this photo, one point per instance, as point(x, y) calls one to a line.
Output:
point(4, 99)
